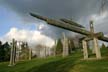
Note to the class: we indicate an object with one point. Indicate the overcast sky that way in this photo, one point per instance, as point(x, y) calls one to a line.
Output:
point(15, 13)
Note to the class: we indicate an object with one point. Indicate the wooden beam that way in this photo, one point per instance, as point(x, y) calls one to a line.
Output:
point(68, 26)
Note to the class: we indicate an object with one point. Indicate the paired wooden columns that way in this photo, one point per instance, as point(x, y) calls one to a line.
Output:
point(95, 48)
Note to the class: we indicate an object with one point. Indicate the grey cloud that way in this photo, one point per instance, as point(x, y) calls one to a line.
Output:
point(75, 9)
point(55, 8)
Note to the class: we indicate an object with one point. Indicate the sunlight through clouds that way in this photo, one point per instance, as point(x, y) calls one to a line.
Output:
point(33, 37)
point(99, 17)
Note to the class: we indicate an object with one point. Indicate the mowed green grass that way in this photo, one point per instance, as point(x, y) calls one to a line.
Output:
point(72, 63)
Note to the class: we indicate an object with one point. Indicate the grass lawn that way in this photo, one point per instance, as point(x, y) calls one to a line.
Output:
point(72, 63)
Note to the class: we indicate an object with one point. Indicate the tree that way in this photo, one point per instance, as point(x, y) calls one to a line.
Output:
point(4, 51)
point(24, 50)
point(1, 52)
point(7, 51)
point(103, 45)
point(71, 45)
point(59, 47)
point(0, 43)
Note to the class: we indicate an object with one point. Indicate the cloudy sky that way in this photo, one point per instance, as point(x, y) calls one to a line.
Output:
point(14, 16)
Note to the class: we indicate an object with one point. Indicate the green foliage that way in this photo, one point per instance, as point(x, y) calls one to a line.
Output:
point(4, 52)
point(72, 63)
point(59, 47)
point(103, 46)
point(24, 51)
point(71, 46)
point(50, 64)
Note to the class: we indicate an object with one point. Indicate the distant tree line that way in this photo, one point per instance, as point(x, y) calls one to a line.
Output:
point(59, 47)
point(24, 55)
point(4, 51)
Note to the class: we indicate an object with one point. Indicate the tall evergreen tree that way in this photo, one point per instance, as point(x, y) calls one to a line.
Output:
point(59, 47)
point(71, 46)
point(4, 51)
point(103, 45)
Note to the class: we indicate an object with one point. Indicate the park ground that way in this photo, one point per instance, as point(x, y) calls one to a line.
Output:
point(72, 63)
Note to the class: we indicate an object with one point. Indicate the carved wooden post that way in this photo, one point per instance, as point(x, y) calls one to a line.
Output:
point(30, 53)
point(13, 53)
point(17, 52)
point(97, 49)
point(85, 52)
point(49, 51)
point(44, 51)
point(93, 49)
point(65, 46)
point(19, 49)
point(92, 32)
point(11, 56)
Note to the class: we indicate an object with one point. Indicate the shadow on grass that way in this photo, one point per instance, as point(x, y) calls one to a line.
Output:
point(63, 65)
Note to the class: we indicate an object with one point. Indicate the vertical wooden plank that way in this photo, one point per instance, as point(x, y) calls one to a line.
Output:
point(85, 52)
